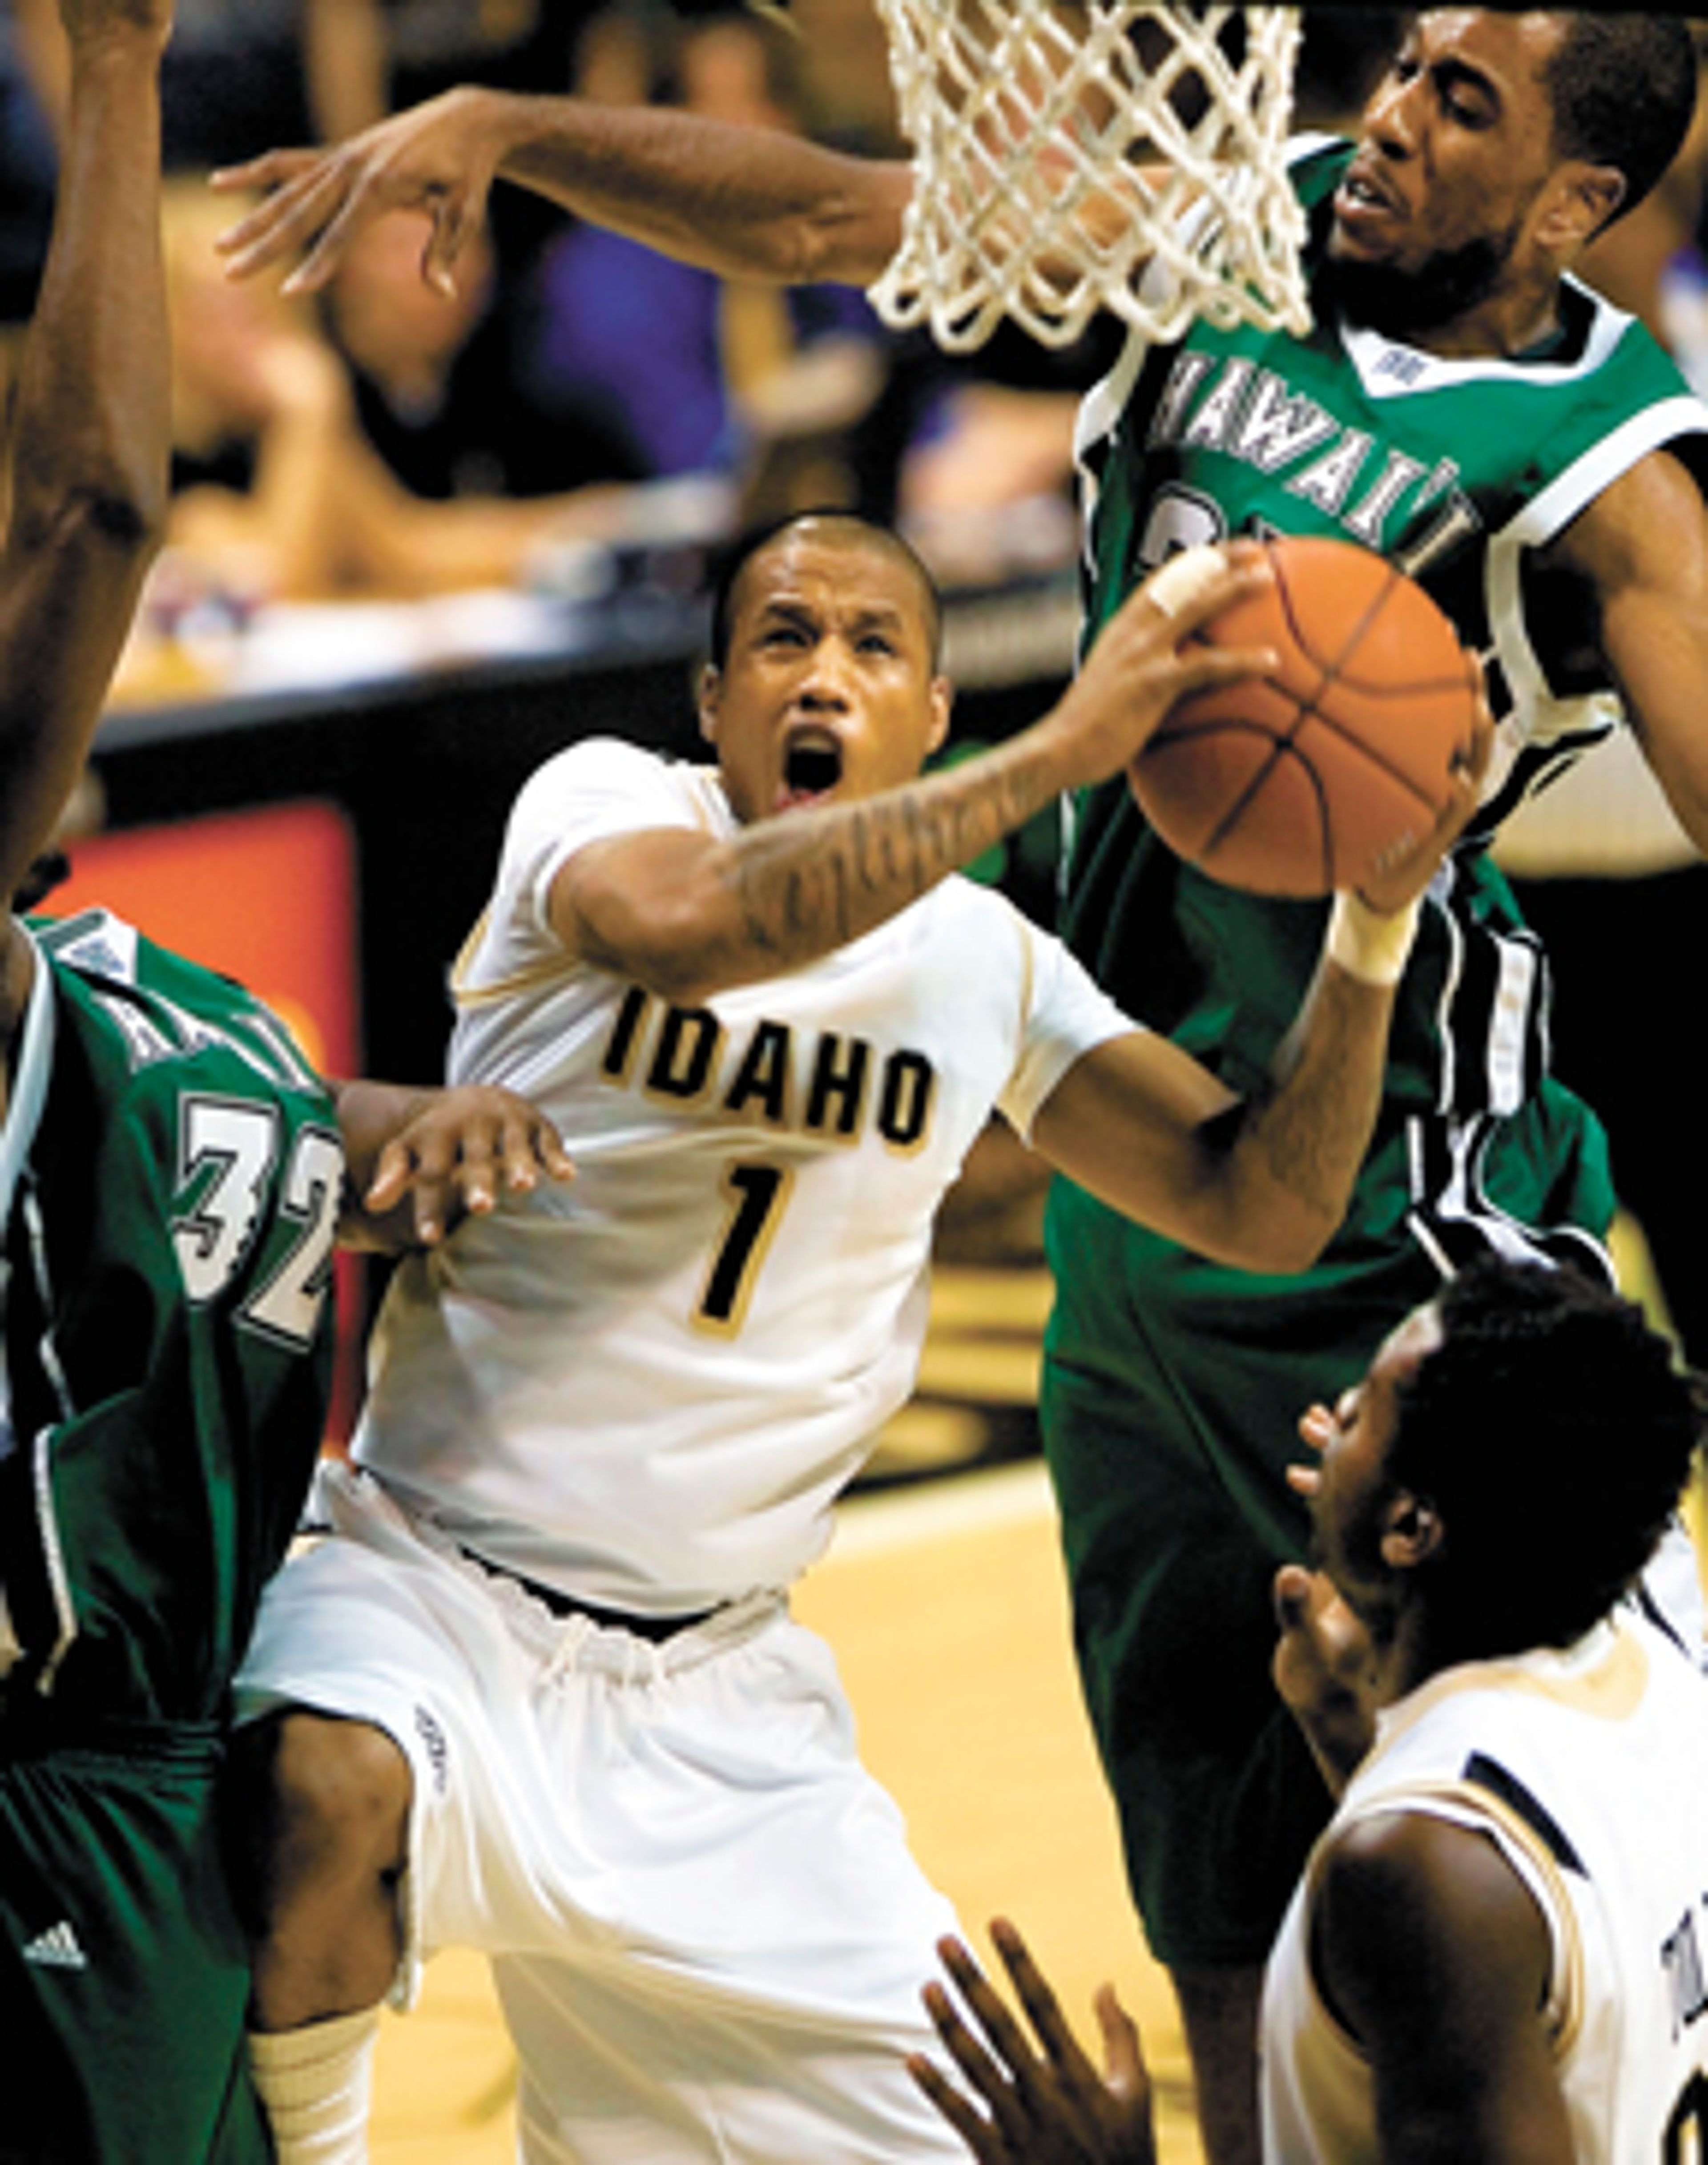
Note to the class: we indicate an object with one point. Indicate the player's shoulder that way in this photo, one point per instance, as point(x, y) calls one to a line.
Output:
point(1405, 1892)
point(144, 1012)
point(978, 935)
point(97, 950)
point(592, 761)
point(1618, 350)
point(969, 909)
point(614, 773)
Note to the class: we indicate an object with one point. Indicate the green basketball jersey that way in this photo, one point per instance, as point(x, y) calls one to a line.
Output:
point(1459, 470)
point(171, 1178)
point(1173, 1385)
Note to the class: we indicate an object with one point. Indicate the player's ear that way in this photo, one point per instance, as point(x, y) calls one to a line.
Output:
point(942, 698)
point(1412, 1530)
point(711, 686)
point(1583, 199)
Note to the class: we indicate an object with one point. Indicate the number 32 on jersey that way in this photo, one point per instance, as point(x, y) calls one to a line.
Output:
point(228, 1151)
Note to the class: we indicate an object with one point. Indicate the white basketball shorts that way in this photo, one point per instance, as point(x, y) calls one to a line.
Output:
point(707, 1931)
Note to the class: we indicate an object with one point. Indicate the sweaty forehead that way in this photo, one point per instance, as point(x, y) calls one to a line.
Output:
point(1511, 47)
point(852, 569)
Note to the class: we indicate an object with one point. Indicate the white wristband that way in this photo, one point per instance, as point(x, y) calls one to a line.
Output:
point(1371, 945)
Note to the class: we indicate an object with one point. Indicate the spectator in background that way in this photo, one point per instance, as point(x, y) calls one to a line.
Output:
point(429, 44)
point(435, 385)
point(233, 63)
point(803, 396)
point(278, 492)
point(301, 70)
point(368, 58)
point(312, 69)
point(688, 373)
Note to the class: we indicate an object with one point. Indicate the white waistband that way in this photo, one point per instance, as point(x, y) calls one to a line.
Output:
point(358, 1506)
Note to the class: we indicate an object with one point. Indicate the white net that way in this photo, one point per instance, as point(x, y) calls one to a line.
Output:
point(1074, 155)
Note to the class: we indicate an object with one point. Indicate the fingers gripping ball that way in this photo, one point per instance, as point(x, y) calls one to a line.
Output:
point(1312, 777)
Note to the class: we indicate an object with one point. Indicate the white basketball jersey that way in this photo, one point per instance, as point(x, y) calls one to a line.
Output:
point(646, 1388)
point(1589, 1769)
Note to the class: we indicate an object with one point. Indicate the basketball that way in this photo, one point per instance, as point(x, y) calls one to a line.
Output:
point(1312, 777)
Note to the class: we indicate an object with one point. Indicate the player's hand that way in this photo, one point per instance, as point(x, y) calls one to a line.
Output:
point(461, 1149)
point(1322, 1667)
point(1043, 2103)
point(1144, 659)
point(1405, 877)
point(437, 159)
point(1322, 1661)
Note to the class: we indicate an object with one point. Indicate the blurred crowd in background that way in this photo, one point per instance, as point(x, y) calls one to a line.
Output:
point(386, 440)
point(580, 388)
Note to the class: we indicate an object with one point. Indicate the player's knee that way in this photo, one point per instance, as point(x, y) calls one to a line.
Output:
point(330, 1800)
point(321, 1811)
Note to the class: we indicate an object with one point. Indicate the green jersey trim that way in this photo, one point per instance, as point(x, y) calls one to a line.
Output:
point(28, 1093)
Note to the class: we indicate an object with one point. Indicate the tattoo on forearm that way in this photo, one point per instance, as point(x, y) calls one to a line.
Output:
point(864, 864)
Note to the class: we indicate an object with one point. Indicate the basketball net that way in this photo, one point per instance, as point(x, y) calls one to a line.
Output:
point(1072, 156)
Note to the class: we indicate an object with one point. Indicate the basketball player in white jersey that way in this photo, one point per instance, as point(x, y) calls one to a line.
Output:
point(540, 1692)
point(1497, 1950)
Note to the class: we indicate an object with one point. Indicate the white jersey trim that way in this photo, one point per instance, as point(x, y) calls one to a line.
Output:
point(1584, 720)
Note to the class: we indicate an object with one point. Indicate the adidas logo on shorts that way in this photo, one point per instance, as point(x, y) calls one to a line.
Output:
point(57, 1948)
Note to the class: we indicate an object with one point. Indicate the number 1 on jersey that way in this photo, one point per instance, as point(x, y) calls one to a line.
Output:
point(756, 1195)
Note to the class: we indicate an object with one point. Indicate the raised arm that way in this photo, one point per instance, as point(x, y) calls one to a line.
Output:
point(689, 914)
point(1643, 545)
point(91, 428)
point(1260, 1182)
point(731, 200)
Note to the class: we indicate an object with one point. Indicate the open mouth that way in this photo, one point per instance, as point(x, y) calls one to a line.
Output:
point(1364, 196)
point(812, 766)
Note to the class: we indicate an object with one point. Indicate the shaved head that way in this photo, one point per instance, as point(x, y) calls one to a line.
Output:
point(835, 530)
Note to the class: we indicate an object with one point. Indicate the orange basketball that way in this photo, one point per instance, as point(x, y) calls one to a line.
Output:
point(1310, 778)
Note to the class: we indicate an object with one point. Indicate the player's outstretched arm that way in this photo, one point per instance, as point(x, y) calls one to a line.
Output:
point(738, 201)
point(1260, 1182)
point(688, 914)
point(1022, 2103)
point(92, 425)
point(421, 1160)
